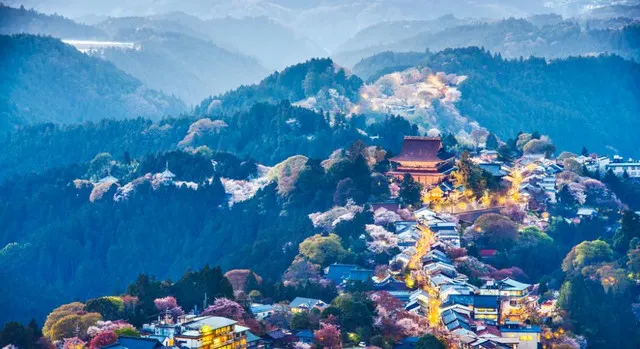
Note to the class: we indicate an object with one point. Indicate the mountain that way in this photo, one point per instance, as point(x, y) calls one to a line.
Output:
point(325, 22)
point(45, 80)
point(159, 51)
point(594, 98)
point(516, 38)
point(385, 33)
point(185, 66)
point(275, 45)
point(21, 20)
point(294, 84)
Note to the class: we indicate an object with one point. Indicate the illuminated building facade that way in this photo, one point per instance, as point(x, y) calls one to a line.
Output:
point(424, 159)
point(211, 332)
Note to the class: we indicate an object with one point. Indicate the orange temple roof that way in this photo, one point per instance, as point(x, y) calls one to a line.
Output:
point(428, 149)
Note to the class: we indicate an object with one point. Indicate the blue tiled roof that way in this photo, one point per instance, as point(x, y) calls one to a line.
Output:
point(337, 272)
point(485, 301)
point(450, 316)
point(139, 343)
point(304, 334)
point(260, 308)
point(459, 299)
point(252, 337)
point(457, 324)
point(301, 302)
point(349, 272)
point(363, 275)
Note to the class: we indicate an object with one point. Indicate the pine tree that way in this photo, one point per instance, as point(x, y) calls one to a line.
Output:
point(492, 142)
point(410, 191)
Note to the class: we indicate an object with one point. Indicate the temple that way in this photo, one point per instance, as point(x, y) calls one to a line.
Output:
point(424, 159)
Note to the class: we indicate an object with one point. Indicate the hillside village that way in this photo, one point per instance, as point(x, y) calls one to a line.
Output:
point(437, 270)
point(319, 174)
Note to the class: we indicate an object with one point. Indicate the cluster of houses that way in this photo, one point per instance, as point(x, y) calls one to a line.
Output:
point(490, 316)
point(617, 165)
point(189, 332)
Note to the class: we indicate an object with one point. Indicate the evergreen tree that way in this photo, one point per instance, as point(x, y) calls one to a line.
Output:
point(410, 192)
point(584, 151)
point(492, 142)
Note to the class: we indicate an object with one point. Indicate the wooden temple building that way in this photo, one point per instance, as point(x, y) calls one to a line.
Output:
point(424, 159)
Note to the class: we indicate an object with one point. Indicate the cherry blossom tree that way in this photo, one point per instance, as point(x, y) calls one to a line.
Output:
point(328, 220)
point(166, 303)
point(169, 304)
point(108, 326)
point(382, 216)
point(382, 240)
point(226, 308)
point(103, 339)
point(386, 302)
point(301, 270)
point(328, 336)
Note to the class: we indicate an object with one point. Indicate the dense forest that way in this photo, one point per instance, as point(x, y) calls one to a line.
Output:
point(507, 96)
point(52, 219)
point(277, 132)
point(45, 80)
point(21, 20)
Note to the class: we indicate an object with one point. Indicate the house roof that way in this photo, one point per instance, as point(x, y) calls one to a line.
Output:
point(304, 334)
point(211, 321)
point(252, 337)
point(513, 284)
point(494, 169)
point(338, 272)
point(465, 300)
point(485, 301)
point(260, 308)
point(276, 334)
point(586, 211)
point(363, 275)
point(308, 303)
point(421, 149)
point(449, 316)
point(139, 342)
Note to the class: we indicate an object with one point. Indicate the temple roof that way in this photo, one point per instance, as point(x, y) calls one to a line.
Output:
point(421, 149)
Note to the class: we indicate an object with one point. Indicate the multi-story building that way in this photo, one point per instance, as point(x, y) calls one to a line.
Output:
point(203, 332)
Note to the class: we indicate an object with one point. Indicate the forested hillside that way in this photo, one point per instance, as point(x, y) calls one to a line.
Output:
point(21, 20)
point(293, 84)
point(45, 80)
point(58, 218)
point(554, 97)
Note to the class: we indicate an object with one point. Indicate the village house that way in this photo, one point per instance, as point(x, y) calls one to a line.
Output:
point(418, 302)
point(620, 167)
point(195, 332)
point(300, 304)
point(342, 274)
point(528, 336)
point(424, 159)
point(261, 311)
